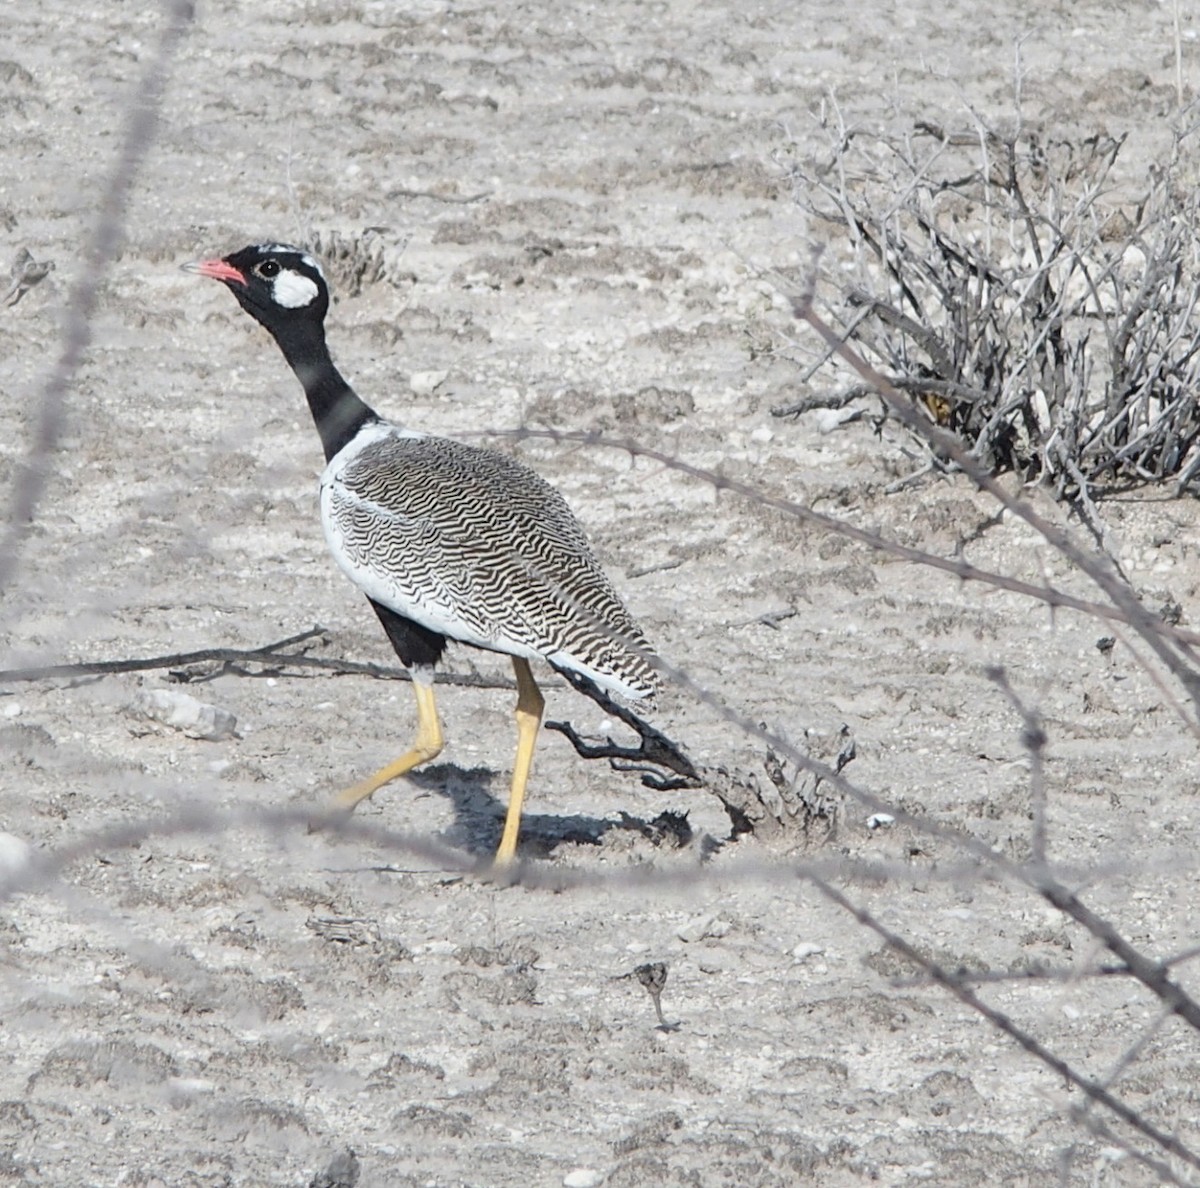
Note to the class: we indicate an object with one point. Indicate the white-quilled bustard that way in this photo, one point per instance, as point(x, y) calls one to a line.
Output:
point(447, 540)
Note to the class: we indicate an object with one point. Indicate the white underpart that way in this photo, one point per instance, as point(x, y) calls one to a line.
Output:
point(293, 290)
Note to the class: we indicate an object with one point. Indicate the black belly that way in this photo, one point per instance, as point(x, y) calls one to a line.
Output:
point(417, 646)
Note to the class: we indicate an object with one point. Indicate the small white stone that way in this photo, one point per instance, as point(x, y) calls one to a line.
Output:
point(183, 712)
point(880, 820)
point(15, 855)
point(191, 1086)
point(805, 950)
point(829, 419)
point(702, 927)
point(12, 709)
point(425, 383)
point(583, 1177)
point(437, 948)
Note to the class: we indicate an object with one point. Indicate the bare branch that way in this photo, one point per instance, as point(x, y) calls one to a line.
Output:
point(30, 476)
point(1001, 1022)
point(271, 657)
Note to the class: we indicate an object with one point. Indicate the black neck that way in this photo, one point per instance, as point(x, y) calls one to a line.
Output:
point(336, 408)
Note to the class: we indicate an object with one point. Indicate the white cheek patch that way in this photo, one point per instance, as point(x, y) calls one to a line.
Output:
point(293, 290)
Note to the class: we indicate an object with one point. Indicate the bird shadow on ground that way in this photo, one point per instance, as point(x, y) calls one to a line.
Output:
point(479, 814)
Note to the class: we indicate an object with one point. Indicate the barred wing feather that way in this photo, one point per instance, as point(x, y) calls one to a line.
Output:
point(478, 547)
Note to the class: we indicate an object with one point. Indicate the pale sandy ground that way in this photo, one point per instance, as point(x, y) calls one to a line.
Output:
point(181, 1011)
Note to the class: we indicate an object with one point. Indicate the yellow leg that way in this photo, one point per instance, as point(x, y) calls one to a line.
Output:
point(427, 745)
point(529, 721)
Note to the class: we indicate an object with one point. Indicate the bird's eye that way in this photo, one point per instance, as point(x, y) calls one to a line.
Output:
point(268, 269)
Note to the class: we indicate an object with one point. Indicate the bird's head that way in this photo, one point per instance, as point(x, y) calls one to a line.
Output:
point(280, 286)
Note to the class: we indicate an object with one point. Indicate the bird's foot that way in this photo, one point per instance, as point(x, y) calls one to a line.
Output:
point(500, 872)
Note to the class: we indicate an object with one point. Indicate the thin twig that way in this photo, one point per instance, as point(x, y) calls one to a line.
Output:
point(1001, 1022)
point(450, 199)
point(956, 567)
point(269, 654)
point(653, 747)
point(1107, 1135)
point(1033, 738)
point(31, 475)
point(997, 977)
